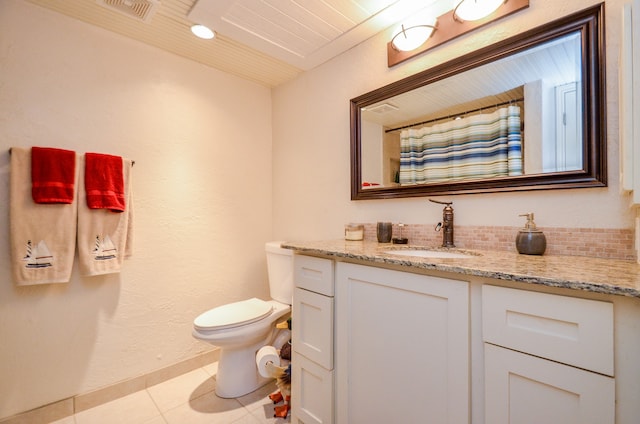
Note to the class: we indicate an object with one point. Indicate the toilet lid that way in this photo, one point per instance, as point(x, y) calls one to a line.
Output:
point(233, 315)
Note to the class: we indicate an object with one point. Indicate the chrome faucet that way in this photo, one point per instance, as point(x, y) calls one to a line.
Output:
point(446, 223)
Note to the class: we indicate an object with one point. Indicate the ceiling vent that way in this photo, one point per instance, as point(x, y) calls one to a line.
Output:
point(142, 10)
point(382, 108)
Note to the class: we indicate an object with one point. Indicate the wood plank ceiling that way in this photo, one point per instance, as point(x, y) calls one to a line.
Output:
point(266, 41)
point(169, 29)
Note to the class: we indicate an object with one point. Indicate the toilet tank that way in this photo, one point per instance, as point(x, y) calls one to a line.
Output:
point(280, 268)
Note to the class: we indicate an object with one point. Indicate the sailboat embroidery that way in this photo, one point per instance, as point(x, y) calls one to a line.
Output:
point(39, 256)
point(104, 249)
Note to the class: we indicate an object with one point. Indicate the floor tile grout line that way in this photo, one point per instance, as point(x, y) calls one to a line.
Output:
point(146, 389)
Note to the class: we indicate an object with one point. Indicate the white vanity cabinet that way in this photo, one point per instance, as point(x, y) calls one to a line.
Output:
point(402, 347)
point(312, 341)
point(548, 358)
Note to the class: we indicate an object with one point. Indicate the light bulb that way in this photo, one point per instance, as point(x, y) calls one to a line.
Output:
point(202, 31)
point(410, 38)
point(472, 10)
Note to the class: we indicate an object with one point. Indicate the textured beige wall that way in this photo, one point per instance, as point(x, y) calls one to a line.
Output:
point(311, 143)
point(201, 220)
point(203, 212)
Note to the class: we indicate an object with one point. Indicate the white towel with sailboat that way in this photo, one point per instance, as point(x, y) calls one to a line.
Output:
point(104, 237)
point(43, 236)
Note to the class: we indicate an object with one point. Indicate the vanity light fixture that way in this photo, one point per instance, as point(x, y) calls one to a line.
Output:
point(465, 22)
point(412, 37)
point(473, 10)
point(202, 31)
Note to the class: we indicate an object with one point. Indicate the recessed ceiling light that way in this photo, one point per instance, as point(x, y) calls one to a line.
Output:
point(202, 31)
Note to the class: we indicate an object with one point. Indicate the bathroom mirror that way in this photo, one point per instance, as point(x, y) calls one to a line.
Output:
point(526, 113)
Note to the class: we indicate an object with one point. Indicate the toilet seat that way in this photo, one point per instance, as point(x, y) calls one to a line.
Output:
point(233, 315)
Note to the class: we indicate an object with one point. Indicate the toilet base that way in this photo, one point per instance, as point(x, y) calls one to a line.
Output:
point(238, 373)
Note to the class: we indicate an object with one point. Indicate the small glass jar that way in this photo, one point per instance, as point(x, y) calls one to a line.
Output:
point(354, 232)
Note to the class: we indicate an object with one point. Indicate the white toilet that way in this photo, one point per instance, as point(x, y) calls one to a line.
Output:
point(240, 329)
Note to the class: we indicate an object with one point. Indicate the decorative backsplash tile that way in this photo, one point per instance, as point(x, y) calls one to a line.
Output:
point(593, 242)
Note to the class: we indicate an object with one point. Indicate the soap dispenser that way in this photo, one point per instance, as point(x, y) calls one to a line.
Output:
point(530, 240)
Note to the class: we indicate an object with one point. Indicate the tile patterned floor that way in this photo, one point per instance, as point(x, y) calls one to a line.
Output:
point(189, 398)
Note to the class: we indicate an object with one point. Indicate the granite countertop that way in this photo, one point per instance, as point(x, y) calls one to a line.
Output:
point(609, 276)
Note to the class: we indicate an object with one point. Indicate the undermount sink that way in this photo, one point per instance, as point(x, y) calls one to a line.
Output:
point(428, 253)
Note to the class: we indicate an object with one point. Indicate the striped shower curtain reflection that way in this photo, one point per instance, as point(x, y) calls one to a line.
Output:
point(481, 146)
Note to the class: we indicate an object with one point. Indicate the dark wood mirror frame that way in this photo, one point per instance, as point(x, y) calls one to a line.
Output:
point(590, 24)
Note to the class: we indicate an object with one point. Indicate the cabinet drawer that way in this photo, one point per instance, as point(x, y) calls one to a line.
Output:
point(312, 392)
point(314, 274)
point(312, 328)
point(573, 331)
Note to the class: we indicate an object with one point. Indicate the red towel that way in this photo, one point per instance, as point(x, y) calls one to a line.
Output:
point(104, 182)
point(53, 175)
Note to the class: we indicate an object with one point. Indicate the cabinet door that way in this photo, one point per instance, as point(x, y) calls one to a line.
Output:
point(524, 389)
point(312, 392)
point(312, 326)
point(402, 347)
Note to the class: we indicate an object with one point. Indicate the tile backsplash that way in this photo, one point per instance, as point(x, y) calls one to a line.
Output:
point(594, 242)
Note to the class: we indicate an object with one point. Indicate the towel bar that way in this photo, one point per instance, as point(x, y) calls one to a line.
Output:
point(133, 162)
